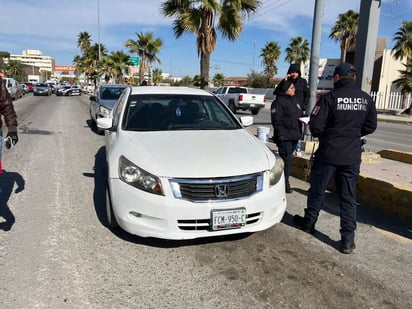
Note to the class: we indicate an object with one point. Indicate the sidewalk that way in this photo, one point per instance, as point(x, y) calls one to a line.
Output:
point(385, 181)
point(398, 118)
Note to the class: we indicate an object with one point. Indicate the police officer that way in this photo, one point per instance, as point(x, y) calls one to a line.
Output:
point(339, 120)
point(285, 112)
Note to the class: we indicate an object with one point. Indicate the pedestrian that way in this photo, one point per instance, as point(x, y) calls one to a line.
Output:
point(339, 119)
point(285, 112)
point(10, 118)
point(302, 94)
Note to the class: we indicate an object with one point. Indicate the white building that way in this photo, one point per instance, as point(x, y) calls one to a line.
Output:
point(34, 57)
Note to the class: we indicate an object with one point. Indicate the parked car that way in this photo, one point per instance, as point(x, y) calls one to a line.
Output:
point(71, 90)
point(41, 89)
point(182, 166)
point(20, 91)
point(11, 85)
point(25, 88)
point(101, 104)
point(52, 87)
point(240, 98)
point(30, 86)
point(60, 90)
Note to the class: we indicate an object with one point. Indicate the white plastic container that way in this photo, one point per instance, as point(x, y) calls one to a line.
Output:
point(263, 134)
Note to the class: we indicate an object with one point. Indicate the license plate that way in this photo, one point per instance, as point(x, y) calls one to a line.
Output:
point(252, 105)
point(228, 219)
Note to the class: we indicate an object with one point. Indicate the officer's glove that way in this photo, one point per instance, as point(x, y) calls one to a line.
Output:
point(11, 139)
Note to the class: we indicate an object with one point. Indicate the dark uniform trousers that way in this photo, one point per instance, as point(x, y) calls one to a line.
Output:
point(346, 177)
point(286, 149)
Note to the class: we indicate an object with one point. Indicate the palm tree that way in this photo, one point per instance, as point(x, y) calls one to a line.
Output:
point(88, 62)
point(270, 55)
point(83, 41)
point(157, 76)
point(403, 49)
point(218, 80)
point(115, 65)
point(16, 70)
point(297, 51)
point(404, 83)
point(202, 18)
point(147, 48)
point(3, 65)
point(345, 30)
point(403, 42)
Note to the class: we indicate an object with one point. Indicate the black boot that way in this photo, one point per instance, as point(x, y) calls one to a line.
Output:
point(347, 246)
point(288, 189)
point(303, 224)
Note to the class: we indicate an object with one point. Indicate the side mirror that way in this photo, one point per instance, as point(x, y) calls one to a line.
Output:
point(105, 123)
point(93, 98)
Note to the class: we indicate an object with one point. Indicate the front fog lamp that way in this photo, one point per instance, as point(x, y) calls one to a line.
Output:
point(139, 178)
point(277, 171)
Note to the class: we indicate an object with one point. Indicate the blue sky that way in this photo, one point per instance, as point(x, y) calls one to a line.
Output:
point(53, 26)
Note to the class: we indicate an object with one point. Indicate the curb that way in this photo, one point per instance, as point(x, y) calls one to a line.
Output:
point(388, 197)
point(401, 156)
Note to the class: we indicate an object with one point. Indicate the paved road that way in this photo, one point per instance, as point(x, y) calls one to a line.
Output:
point(389, 134)
point(56, 250)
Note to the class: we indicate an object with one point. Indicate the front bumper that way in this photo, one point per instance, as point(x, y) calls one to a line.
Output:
point(148, 215)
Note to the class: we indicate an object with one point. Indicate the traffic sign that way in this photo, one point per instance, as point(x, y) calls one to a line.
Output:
point(135, 61)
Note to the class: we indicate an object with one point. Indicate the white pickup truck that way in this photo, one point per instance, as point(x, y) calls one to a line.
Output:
point(239, 98)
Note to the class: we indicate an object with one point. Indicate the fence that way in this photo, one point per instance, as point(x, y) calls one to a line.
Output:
point(392, 101)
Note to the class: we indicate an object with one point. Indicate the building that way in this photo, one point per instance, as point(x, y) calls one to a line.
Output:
point(33, 57)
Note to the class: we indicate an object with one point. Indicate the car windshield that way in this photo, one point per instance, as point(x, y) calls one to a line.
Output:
point(41, 85)
point(159, 112)
point(111, 93)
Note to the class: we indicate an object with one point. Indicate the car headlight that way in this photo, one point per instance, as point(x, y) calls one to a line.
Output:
point(104, 111)
point(139, 178)
point(277, 171)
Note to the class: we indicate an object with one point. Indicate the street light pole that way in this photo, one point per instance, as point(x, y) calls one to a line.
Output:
point(98, 27)
point(366, 42)
point(314, 58)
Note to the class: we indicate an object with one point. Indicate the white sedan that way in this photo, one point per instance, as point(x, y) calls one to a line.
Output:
point(182, 166)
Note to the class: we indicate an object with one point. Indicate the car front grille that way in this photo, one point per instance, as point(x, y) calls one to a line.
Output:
point(217, 189)
point(205, 224)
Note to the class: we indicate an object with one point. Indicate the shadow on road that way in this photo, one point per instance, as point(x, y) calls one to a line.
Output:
point(7, 181)
point(366, 215)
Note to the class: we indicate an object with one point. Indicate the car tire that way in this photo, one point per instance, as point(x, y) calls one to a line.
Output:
point(91, 117)
point(111, 219)
point(232, 107)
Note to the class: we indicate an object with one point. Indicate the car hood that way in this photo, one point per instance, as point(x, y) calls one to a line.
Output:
point(197, 153)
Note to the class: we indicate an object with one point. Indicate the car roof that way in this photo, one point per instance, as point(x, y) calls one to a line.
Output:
point(113, 86)
point(169, 90)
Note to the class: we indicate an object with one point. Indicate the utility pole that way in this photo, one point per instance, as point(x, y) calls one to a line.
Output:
point(254, 46)
point(314, 57)
point(98, 27)
point(366, 42)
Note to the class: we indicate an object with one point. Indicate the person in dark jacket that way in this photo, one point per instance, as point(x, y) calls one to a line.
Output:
point(339, 119)
point(285, 113)
point(10, 118)
point(302, 92)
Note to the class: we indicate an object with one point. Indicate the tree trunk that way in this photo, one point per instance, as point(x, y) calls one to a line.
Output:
point(204, 70)
point(343, 56)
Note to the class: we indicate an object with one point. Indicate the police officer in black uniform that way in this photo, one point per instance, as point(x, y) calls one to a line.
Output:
point(287, 129)
point(339, 120)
